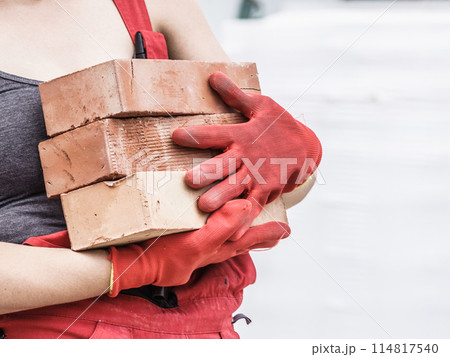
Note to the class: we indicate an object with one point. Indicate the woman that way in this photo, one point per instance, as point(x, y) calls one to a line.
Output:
point(49, 293)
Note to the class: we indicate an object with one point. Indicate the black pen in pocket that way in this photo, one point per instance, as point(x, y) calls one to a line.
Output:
point(139, 48)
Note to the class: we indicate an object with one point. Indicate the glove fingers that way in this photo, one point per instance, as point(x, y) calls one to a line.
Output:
point(206, 137)
point(214, 169)
point(258, 200)
point(231, 93)
point(263, 236)
point(223, 192)
point(223, 223)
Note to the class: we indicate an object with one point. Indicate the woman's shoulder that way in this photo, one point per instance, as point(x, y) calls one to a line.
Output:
point(164, 13)
point(186, 29)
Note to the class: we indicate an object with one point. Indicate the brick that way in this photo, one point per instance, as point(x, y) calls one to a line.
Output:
point(114, 148)
point(135, 88)
point(143, 206)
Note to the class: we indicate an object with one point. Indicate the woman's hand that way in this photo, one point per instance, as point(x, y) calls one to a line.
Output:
point(170, 260)
point(269, 155)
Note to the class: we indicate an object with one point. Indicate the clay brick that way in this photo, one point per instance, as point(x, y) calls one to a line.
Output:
point(135, 88)
point(143, 206)
point(114, 148)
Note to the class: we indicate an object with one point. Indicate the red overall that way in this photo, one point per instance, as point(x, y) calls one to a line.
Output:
point(205, 303)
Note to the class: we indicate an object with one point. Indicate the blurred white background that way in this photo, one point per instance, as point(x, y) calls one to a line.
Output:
point(369, 253)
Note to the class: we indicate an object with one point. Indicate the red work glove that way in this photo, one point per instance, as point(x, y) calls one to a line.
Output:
point(269, 155)
point(170, 260)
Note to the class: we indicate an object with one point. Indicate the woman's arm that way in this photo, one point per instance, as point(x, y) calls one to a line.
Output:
point(32, 277)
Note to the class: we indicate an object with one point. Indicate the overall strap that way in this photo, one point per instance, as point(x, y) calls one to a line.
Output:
point(136, 18)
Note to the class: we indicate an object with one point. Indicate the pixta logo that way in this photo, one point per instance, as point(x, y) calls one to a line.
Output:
point(148, 171)
point(214, 170)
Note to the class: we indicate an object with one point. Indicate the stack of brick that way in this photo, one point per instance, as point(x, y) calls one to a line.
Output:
point(111, 158)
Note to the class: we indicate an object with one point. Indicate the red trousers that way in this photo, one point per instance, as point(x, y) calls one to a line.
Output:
point(206, 304)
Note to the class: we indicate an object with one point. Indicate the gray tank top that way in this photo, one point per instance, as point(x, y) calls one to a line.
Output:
point(25, 210)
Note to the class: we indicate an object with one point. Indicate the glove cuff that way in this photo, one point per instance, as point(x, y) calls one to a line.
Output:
point(130, 268)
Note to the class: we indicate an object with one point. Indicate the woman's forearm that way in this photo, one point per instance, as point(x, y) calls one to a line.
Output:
point(32, 277)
